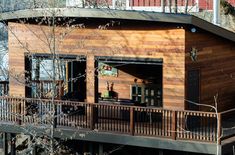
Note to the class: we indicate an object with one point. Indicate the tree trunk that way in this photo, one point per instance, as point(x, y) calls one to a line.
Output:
point(163, 5)
point(186, 7)
point(169, 4)
point(176, 6)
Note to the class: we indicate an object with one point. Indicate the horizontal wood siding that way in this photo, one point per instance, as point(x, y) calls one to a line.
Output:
point(216, 62)
point(121, 84)
point(167, 43)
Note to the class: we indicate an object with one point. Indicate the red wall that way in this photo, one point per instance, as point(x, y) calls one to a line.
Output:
point(208, 4)
point(157, 2)
point(203, 4)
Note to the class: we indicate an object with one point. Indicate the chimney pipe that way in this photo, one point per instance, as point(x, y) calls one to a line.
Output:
point(216, 12)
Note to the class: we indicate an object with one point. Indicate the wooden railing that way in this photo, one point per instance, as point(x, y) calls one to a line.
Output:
point(153, 122)
point(4, 88)
point(44, 88)
point(200, 126)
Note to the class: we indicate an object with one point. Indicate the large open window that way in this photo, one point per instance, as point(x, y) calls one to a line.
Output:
point(133, 81)
point(68, 75)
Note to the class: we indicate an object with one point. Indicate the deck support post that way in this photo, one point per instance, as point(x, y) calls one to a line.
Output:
point(218, 151)
point(160, 152)
point(5, 144)
point(91, 148)
point(13, 143)
point(101, 149)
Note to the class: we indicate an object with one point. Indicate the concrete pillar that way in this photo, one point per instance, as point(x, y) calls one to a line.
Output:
point(101, 149)
point(160, 152)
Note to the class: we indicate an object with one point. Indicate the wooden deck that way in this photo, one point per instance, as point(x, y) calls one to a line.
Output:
point(131, 120)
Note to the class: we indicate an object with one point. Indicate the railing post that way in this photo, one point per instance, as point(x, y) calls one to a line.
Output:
point(132, 125)
point(219, 129)
point(18, 111)
point(173, 125)
point(91, 107)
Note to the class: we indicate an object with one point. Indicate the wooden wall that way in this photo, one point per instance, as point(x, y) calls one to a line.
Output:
point(153, 41)
point(121, 84)
point(216, 62)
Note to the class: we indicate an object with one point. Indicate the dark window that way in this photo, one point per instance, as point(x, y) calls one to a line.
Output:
point(150, 95)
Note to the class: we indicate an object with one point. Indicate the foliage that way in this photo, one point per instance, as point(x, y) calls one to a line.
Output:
point(227, 7)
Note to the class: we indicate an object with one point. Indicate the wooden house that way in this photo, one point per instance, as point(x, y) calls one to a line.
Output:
point(171, 59)
point(135, 73)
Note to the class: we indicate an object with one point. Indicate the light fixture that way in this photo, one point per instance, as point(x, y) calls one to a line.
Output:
point(193, 30)
point(193, 54)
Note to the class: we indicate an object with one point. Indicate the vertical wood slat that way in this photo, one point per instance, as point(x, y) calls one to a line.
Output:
point(173, 124)
point(18, 107)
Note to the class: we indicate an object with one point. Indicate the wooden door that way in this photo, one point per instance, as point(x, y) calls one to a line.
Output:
point(153, 95)
point(76, 80)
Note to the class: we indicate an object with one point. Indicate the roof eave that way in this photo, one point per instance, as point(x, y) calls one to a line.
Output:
point(121, 14)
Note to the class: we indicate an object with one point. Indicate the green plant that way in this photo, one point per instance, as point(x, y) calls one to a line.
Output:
point(227, 7)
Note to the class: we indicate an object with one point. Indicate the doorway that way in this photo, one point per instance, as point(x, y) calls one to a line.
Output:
point(193, 89)
point(70, 75)
point(76, 80)
point(130, 81)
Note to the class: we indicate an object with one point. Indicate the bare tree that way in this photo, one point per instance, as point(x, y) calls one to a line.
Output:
point(163, 5)
point(176, 6)
point(169, 5)
point(186, 7)
point(218, 120)
point(51, 40)
point(51, 32)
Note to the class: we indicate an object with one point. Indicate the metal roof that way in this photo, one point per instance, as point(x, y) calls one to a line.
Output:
point(122, 14)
